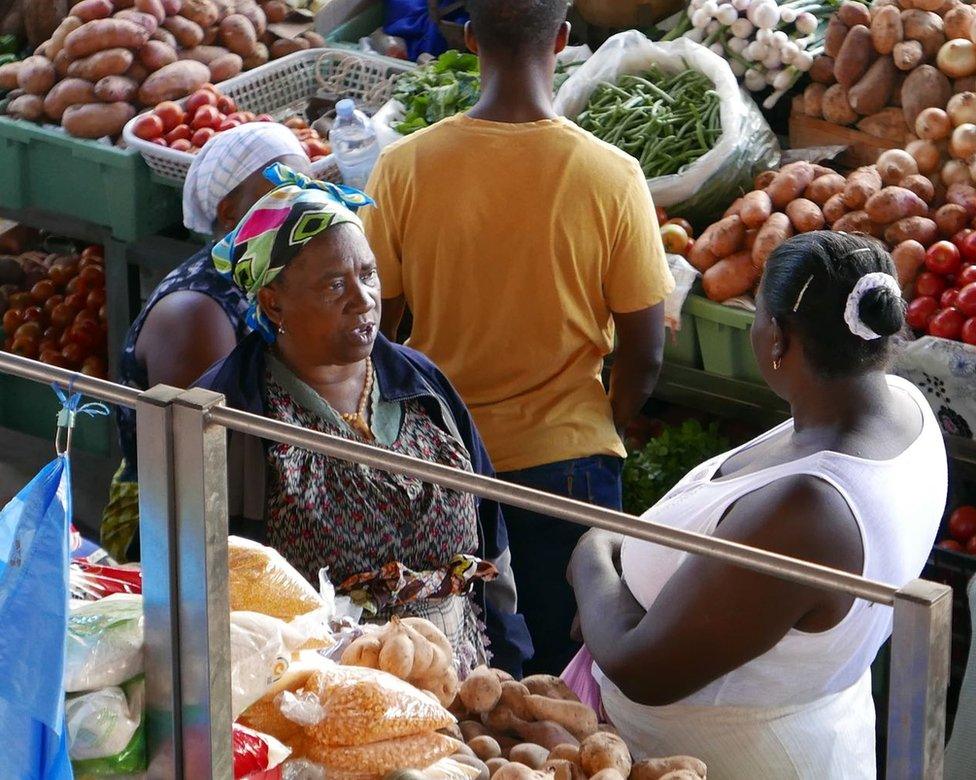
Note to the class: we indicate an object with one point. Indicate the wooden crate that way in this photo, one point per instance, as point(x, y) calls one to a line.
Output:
point(862, 149)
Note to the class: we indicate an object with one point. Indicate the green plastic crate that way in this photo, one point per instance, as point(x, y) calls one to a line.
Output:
point(50, 171)
point(682, 348)
point(723, 334)
point(32, 408)
point(361, 25)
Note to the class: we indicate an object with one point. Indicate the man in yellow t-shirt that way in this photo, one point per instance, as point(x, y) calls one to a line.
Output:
point(521, 244)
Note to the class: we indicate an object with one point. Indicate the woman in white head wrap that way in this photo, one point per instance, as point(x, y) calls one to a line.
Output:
point(194, 317)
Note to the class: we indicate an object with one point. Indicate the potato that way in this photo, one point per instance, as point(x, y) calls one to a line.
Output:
point(909, 257)
point(657, 768)
point(547, 733)
point(958, 21)
point(763, 180)
point(907, 55)
point(855, 222)
point(138, 73)
point(152, 7)
point(96, 120)
point(731, 276)
point(926, 28)
point(822, 70)
point(823, 188)
point(813, 99)
point(565, 753)
point(549, 686)
point(173, 82)
point(854, 57)
point(111, 62)
point(837, 107)
point(156, 54)
point(951, 218)
point(29, 107)
point(225, 67)
point(113, 89)
point(756, 208)
point(513, 697)
point(724, 237)
point(103, 34)
point(471, 729)
point(518, 772)
point(681, 774)
point(314, 39)
point(533, 756)
point(276, 11)
point(481, 691)
point(485, 747)
point(805, 215)
point(925, 87)
point(495, 764)
point(253, 13)
point(963, 195)
point(852, 13)
point(894, 203)
point(238, 35)
point(165, 36)
point(69, 25)
point(776, 230)
point(204, 54)
point(474, 763)
point(873, 91)
point(788, 185)
point(8, 75)
point(68, 92)
point(285, 46)
point(201, 12)
point(921, 229)
point(258, 58)
point(861, 185)
point(920, 185)
point(36, 75)
point(834, 208)
point(87, 10)
point(560, 769)
point(835, 36)
point(146, 21)
point(886, 29)
point(172, 7)
point(605, 751)
point(188, 34)
point(608, 774)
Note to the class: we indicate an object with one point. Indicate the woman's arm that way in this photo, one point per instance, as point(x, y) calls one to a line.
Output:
point(713, 617)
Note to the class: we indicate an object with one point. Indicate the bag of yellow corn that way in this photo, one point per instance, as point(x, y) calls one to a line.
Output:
point(261, 580)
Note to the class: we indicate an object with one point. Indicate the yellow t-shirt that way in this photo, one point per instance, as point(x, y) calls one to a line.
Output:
point(512, 244)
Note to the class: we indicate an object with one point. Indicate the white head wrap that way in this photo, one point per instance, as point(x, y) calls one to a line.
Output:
point(852, 312)
point(225, 162)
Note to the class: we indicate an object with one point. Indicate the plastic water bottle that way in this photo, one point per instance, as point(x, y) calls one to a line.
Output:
point(354, 144)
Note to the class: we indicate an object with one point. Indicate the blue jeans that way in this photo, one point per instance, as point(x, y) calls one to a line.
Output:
point(541, 548)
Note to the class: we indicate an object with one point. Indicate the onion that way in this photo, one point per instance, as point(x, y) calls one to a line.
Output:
point(780, 39)
point(784, 79)
point(787, 15)
point(741, 5)
point(712, 27)
point(764, 36)
point(755, 81)
point(738, 69)
point(807, 23)
point(718, 48)
point(767, 16)
point(772, 61)
point(742, 28)
point(803, 61)
point(957, 58)
point(700, 19)
point(962, 108)
point(711, 7)
point(926, 155)
point(771, 76)
point(789, 53)
point(933, 124)
point(727, 15)
point(962, 144)
point(955, 172)
point(737, 45)
point(695, 34)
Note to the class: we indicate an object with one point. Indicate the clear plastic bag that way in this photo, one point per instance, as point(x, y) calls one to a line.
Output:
point(945, 371)
point(104, 643)
point(702, 190)
point(255, 753)
point(106, 732)
point(417, 751)
point(261, 580)
point(265, 714)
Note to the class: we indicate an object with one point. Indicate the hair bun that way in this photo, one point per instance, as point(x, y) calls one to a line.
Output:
point(882, 311)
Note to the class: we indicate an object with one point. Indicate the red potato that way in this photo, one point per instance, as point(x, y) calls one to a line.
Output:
point(735, 208)
point(790, 183)
point(756, 208)
point(67, 92)
point(920, 185)
point(724, 237)
point(36, 75)
point(855, 56)
point(237, 33)
point(188, 34)
point(114, 89)
point(921, 229)
point(152, 7)
point(225, 67)
point(835, 36)
point(173, 82)
point(172, 7)
point(855, 222)
point(285, 46)
point(861, 185)
point(776, 231)
point(204, 54)
point(730, 277)
point(103, 34)
point(805, 215)
point(952, 218)
point(822, 70)
point(88, 10)
point(276, 11)
point(894, 203)
point(909, 257)
point(962, 195)
point(8, 75)
point(111, 62)
point(763, 180)
point(834, 208)
point(852, 13)
point(156, 54)
point(823, 188)
point(886, 29)
point(96, 120)
point(145, 21)
point(202, 12)
point(165, 36)
point(69, 25)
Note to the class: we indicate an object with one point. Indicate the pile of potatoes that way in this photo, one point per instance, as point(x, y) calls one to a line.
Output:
point(890, 201)
point(538, 728)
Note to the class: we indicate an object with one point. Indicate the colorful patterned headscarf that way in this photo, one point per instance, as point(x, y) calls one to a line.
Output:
point(277, 228)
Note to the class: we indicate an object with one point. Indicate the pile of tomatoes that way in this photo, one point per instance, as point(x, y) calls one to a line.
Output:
point(61, 320)
point(962, 531)
point(677, 234)
point(204, 114)
point(945, 291)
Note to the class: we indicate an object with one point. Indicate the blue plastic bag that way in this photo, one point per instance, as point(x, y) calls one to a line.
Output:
point(34, 548)
point(410, 20)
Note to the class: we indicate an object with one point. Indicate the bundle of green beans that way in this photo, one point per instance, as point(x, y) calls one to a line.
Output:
point(666, 122)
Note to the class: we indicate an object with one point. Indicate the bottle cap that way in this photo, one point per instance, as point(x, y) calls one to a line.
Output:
point(345, 108)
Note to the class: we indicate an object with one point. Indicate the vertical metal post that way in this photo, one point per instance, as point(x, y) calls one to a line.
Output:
point(117, 299)
point(157, 537)
point(919, 677)
point(201, 501)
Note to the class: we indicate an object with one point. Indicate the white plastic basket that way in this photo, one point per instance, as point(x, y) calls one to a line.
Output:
point(283, 88)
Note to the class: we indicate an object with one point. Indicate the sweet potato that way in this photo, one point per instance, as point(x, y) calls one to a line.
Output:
point(605, 751)
point(721, 239)
point(546, 733)
point(156, 54)
point(549, 686)
point(8, 75)
point(762, 181)
point(805, 215)
point(103, 34)
point(577, 718)
point(909, 257)
point(886, 29)
point(188, 34)
point(238, 35)
point(951, 219)
point(532, 756)
point(30, 107)
point(921, 229)
point(471, 729)
point(145, 21)
point(96, 120)
point(111, 62)
point(920, 185)
point(852, 13)
point(485, 747)
point(861, 185)
point(113, 89)
point(873, 91)
point(513, 697)
point(657, 768)
point(813, 99)
point(837, 107)
point(835, 36)
point(855, 222)
point(854, 57)
point(173, 82)
point(907, 55)
point(824, 187)
point(152, 7)
point(88, 10)
point(201, 12)
point(204, 54)
point(36, 75)
point(776, 230)
point(225, 67)
point(756, 208)
point(481, 691)
point(731, 276)
point(68, 25)
point(925, 27)
point(894, 203)
point(834, 208)
point(788, 185)
point(68, 92)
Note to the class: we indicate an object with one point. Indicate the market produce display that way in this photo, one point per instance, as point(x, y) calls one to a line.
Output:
point(665, 122)
point(944, 305)
point(449, 85)
point(962, 531)
point(53, 308)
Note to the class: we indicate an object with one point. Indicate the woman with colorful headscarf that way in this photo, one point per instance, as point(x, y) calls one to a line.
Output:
point(397, 545)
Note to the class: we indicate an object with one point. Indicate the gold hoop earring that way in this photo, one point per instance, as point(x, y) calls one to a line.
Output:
point(281, 330)
point(777, 362)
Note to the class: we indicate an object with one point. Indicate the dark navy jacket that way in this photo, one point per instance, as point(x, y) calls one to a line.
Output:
point(402, 374)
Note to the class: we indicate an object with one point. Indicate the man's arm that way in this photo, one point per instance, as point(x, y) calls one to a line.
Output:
point(393, 309)
point(637, 363)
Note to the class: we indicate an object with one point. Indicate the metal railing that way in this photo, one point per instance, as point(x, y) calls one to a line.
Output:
point(184, 525)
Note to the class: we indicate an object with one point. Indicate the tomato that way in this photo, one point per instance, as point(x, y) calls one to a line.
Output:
point(675, 239)
point(93, 276)
point(25, 347)
point(943, 257)
point(966, 300)
point(929, 283)
point(178, 133)
point(948, 299)
point(920, 311)
point(34, 314)
point(96, 299)
point(228, 124)
point(226, 105)
point(318, 148)
point(950, 544)
point(74, 354)
point(171, 114)
point(51, 333)
point(211, 88)
point(237, 116)
point(77, 285)
point(12, 319)
point(19, 301)
point(181, 145)
point(62, 274)
point(85, 262)
point(683, 223)
point(199, 99)
point(29, 330)
point(103, 314)
point(95, 366)
point(84, 335)
point(86, 315)
point(201, 136)
point(249, 116)
point(968, 333)
point(960, 238)
point(148, 126)
point(947, 324)
point(43, 290)
point(966, 276)
point(52, 357)
point(962, 524)
point(206, 116)
point(51, 303)
point(64, 314)
point(968, 248)
point(92, 250)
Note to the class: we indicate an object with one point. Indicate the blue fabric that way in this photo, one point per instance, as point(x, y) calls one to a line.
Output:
point(34, 548)
point(541, 548)
point(401, 373)
point(410, 20)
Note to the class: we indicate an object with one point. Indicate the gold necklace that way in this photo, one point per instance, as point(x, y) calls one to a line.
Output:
point(357, 420)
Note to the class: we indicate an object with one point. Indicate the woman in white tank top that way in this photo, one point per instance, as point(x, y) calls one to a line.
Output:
point(759, 677)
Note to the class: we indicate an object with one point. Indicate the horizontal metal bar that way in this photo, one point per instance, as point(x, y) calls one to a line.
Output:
point(556, 506)
point(99, 389)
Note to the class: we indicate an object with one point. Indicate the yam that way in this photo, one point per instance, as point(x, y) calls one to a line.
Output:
point(951, 218)
point(546, 733)
point(88, 10)
point(238, 35)
point(152, 7)
point(111, 62)
point(8, 75)
point(156, 54)
point(731, 277)
point(69, 25)
point(925, 27)
point(225, 67)
point(30, 107)
point(788, 185)
point(835, 36)
point(837, 107)
point(873, 91)
point(481, 691)
point(776, 230)
point(920, 185)
point(894, 165)
point(805, 216)
point(657, 768)
point(146, 21)
point(605, 751)
point(103, 34)
point(852, 13)
point(36, 75)
point(173, 82)
point(813, 99)
point(909, 257)
point(886, 29)
point(822, 70)
point(756, 208)
point(907, 55)
point(861, 185)
point(822, 189)
point(834, 208)
point(485, 747)
point(97, 120)
point(201, 12)
point(68, 92)
point(188, 34)
point(501, 720)
point(513, 697)
point(894, 203)
point(921, 229)
point(577, 718)
point(854, 57)
point(549, 686)
point(114, 89)
point(533, 756)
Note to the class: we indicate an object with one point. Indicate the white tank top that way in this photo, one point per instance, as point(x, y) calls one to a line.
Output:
point(897, 504)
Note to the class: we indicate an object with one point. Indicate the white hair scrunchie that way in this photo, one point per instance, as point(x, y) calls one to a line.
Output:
point(852, 312)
